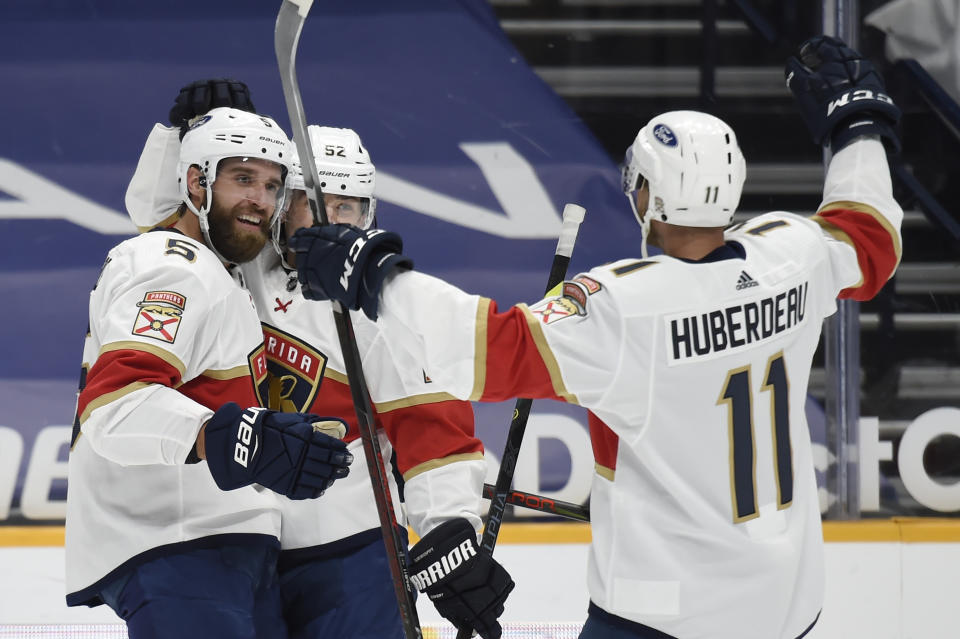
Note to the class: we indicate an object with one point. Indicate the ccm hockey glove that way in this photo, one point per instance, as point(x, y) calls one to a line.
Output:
point(286, 452)
point(467, 587)
point(841, 95)
point(199, 97)
point(347, 264)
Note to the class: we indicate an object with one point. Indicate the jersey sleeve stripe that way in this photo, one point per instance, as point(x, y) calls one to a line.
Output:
point(603, 471)
point(878, 217)
point(230, 373)
point(413, 400)
point(336, 376)
point(112, 396)
point(156, 351)
point(876, 242)
point(480, 349)
point(549, 360)
point(117, 373)
point(443, 461)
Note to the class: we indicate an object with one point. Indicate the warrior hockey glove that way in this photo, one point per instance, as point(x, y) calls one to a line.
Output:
point(199, 97)
point(343, 263)
point(467, 587)
point(840, 94)
point(285, 452)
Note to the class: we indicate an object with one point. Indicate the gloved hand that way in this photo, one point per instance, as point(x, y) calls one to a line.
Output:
point(840, 94)
point(199, 97)
point(343, 263)
point(467, 587)
point(285, 452)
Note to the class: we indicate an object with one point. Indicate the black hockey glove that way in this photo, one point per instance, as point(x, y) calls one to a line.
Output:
point(467, 587)
point(199, 97)
point(343, 263)
point(841, 95)
point(288, 453)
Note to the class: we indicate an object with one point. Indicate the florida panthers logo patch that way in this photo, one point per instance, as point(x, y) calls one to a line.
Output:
point(295, 371)
point(159, 315)
point(555, 309)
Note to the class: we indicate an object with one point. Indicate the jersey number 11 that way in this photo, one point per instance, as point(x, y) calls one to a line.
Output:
point(737, 394)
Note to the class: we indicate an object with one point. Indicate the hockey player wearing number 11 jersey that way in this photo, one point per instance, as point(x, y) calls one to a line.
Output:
point(694, 363)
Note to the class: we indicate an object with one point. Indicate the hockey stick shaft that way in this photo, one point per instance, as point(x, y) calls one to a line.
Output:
point(572, 217)
point(286, 38)
point(566, 509)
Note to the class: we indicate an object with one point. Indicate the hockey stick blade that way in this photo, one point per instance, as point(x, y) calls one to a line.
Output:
point(565, 509)
point(572, 217)
point(290, 21)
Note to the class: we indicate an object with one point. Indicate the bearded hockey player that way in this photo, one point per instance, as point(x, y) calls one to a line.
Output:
point(164, 523)
point(332, 548)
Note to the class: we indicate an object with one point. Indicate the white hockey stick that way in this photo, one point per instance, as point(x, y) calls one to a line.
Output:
point(286, 38)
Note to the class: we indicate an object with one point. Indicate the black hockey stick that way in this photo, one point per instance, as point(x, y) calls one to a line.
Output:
point(572, 217)
point(566, 509)
point(286, 38)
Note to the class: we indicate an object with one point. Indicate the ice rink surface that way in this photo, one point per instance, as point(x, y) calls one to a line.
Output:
point(550, 599)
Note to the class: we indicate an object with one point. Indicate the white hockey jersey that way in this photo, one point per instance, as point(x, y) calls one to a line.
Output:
point(429, 434)
point(704, 506)
point(172, 336)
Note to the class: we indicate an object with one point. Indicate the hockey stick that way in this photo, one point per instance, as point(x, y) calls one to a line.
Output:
point(572, 217)
point(566, 509)
point(286, 39)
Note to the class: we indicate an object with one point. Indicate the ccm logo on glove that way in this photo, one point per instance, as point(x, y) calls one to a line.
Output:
point(853, 96)
point(241, 453)
point(446, 565)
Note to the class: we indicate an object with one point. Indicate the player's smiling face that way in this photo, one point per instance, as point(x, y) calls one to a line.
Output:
point(245, 196)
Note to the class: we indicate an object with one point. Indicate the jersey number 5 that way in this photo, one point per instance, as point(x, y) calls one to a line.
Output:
point(737, 394)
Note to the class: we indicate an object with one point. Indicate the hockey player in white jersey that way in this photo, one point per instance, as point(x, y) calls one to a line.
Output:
point(332, 548)
point(164, 522)
point(704, 506)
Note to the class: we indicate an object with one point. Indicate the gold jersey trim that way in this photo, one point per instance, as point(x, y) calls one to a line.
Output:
point(230, 373)
point(480, 350)
point(549, 360)
point(336, 376)
point(105, 399)
point(173, 217)
point(131, 345)
point(438, 463)
point(414, 400)
point(604, 471)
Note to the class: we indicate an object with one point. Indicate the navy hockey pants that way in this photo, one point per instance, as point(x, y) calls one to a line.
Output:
point(348, 596)
point(229, 592)
point(603, 625)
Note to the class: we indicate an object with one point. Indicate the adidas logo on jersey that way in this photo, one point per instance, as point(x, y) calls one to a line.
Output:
point(745, 281)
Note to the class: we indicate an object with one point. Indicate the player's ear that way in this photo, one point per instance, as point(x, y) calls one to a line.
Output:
point(196, 182)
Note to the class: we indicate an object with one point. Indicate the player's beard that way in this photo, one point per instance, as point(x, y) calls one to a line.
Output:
point(237, 243)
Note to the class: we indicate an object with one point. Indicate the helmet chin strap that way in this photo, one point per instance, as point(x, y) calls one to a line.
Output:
point(644, 223)
point(202, 216)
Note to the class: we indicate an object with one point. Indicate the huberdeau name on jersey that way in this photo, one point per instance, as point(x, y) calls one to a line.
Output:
point(694, 337)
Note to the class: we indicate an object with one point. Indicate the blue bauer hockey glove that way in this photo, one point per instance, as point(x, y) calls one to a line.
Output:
point(288, 453)
point(841, 95)
point(347, 264)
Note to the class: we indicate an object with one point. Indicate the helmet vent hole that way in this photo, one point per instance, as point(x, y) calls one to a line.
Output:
point(263, 150)
point(323, 185)
point(729, 158)
point(727, 137)
point(343, 187)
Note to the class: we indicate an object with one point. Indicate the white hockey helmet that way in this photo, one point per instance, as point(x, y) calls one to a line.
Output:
point(343, 166)
point(222, 133)
point(693, 168)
